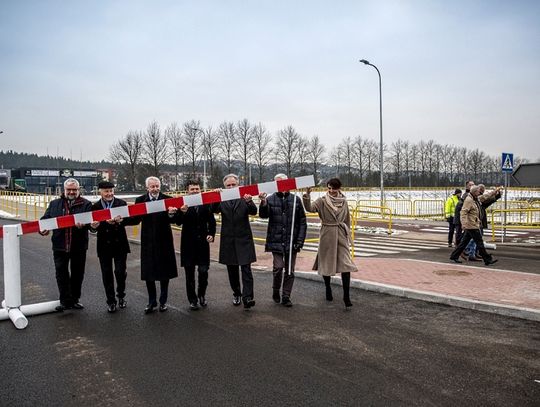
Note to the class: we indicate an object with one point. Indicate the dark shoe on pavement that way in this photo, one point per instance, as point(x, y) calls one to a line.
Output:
point(193, 306)
point(111, 308)
point(329, 296)
point(474, 259)
point(286, 301)
point(122, 303)
point(276, 297)
point(77, 305)
point(163, 307)
point(464, 256)
point(248, 303)
point(237, 300)
point(150, 308)
point(202, 302)
point(492, 261)
point(456, 260)
point(348, 303)
point(61, 308)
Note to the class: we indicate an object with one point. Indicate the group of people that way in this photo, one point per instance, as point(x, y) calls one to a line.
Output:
point(286, 233)
point(466, 215)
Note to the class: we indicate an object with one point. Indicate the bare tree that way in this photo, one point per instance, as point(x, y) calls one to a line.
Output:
point(155, 147)
point(244, 144)
point(173, 134)
point(286, 148)
point(127, 152)
point(210, 146)
point(262, 149)
point(315, 155)
point(227, 134)
point(302, 155)
point(347, 154)
point(359, 150)
point(193, 143)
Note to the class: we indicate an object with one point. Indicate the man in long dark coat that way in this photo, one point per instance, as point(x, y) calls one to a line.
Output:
point(198, 231)
point(112, 246)
point(158, 258)
point(69, 244)
point(236, 246)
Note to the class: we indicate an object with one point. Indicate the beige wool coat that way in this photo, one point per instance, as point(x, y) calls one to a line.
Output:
point(471, 213)
point(334, 255)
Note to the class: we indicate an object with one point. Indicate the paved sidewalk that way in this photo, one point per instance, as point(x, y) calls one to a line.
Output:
point(498, 291)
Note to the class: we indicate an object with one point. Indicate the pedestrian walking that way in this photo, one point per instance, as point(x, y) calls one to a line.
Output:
point(449, 211)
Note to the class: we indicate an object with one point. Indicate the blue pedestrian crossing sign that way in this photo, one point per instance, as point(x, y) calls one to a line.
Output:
point(507, 162)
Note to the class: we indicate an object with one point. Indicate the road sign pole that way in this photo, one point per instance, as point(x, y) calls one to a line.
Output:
point(505, 205)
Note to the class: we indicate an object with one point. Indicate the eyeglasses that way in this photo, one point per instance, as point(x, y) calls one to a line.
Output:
point(72, 189)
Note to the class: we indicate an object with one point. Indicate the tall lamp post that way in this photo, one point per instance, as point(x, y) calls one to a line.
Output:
point(366, 62)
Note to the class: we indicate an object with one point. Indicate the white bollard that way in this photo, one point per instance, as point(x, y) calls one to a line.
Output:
point(39, 308)
point(491, 246)
point(3, 303)
point(3, 314)
point(12, 267)
point(18, 318)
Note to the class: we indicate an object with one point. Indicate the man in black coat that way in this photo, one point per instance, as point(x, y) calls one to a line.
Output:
point(457, 214)
point(158, 258)
point(112, 246)
point(69, 245)
point(278, 208)
point(198, 231)
point(236, 246)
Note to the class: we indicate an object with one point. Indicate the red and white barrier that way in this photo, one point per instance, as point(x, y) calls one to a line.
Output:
point(162, 205)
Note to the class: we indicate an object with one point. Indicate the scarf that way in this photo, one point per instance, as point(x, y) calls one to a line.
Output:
point(336, 203)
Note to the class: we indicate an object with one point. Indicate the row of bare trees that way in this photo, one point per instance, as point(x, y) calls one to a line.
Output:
point(249, 149)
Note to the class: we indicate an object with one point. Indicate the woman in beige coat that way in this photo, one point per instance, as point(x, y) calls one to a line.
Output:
point(334, 255)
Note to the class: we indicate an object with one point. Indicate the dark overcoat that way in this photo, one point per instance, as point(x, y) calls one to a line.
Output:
point(68, 239)
point(279, 211)
point(236, 246)
point(197, 223)
point(158, 258)
point(111, 238)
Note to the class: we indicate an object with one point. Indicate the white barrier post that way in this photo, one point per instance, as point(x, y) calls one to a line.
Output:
point(12, 276)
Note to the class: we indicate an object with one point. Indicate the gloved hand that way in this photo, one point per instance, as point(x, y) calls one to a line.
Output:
point(450, 219)
point(297, 247)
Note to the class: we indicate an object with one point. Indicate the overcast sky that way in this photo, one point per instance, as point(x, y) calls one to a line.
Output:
point(75, 76)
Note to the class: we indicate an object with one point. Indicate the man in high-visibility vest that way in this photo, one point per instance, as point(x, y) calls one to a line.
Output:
point(449, 209)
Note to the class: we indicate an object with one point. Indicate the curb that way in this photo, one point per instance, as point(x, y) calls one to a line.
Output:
point(500, 309)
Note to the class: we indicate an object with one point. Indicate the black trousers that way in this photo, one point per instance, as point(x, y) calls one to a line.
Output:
point(163, 295)
point(69, 284)
point(247, 280)
point(451, 228)
point(475, 235)
point(108, 275)
point(190, 282)
point(459, 234)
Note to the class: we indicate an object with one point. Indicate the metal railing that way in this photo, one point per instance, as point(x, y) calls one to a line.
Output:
point(517, 218)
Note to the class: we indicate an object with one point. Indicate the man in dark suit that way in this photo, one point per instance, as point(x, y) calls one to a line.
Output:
point(69, 244)
point(198, 231)
point(112, 246)
point(158, 258)
point(236, 246)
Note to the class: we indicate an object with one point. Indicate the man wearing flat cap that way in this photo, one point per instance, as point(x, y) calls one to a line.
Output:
point(112, 247)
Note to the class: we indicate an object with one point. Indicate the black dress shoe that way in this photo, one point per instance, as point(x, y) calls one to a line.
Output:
point(348, 303)
point(248, 303)
point(149, 308)
point(193, 306)
point(286, 302)
point(122, 303)
point(202, 302)
point(77, 305)
point(163, 307)
point(492, 261)
point(329, 296)
point(456, 260)
point(276, 297)
point(60, 308)
point(111, 308)
point(237, 300)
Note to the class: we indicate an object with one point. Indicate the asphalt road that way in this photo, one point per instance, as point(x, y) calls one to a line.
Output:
point(385, 351)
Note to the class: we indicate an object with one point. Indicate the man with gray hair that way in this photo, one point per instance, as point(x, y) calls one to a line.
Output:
point(236, 246)
point(69, 244)
point(471, 221)
point(284, 238)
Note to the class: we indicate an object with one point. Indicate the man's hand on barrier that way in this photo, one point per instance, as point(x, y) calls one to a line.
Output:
point(247, 198)
point(44, 232)
point(184, 208)
point(79, 225)
point(262, 197)
point(94, 225)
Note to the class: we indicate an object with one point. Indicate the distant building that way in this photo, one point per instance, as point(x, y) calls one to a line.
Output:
point(42, 180)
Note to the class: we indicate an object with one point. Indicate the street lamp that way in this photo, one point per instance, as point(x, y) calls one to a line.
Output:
point(366, 62)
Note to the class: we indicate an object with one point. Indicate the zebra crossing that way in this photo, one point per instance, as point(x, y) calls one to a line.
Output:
point(487, 232)
point(369, 246)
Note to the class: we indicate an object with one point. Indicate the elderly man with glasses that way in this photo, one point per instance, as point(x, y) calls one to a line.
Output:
point(69, 245)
